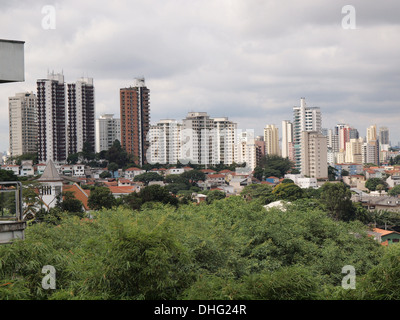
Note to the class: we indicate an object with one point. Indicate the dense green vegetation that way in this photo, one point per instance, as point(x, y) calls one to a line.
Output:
point(230, 248)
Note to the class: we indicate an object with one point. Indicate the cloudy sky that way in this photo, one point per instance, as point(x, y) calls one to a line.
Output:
point(249, 60)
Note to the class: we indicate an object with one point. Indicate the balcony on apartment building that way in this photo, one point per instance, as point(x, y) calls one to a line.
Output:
point(12, 69)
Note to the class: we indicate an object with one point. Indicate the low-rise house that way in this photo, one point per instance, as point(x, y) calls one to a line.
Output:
point(208, 171)
point(175, 171)
point(385, 237)
point(393, 180)
point(79, 193)
point(199, 197)
point(11, 167)
point(117, 192)
point(378, 202)
point(78, 170)
point(351, 168)
point(39, 168)
point(96, 172)
point(124, 182)
point(302, 182)
point(238, 184)
point(273, 180)
point(374, 172)
point(215, 179)
point(131, 173)
point(160, 171)
point(225, 172)
point(355, 181)
point(27, 169)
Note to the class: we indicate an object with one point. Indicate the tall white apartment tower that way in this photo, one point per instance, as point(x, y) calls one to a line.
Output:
point(225, 138)
point(305, 119)
point(198, 138)
point(164, 142)
point(287, 138)
point(52, 114)
point(23, 124)
point(247, 149)
point(108, 129)
point(81, 115)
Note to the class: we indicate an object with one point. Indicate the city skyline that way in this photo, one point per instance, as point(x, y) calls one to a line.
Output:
point(246, 61)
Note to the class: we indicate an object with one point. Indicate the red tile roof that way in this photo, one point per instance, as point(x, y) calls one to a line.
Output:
point(79, 193)
point(133, 169)
point(127, 189)
point(215, 176)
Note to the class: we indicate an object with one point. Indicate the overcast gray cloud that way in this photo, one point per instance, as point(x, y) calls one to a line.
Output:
point(250, 61)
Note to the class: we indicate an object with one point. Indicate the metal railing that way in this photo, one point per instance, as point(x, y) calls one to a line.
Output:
point(11, 207)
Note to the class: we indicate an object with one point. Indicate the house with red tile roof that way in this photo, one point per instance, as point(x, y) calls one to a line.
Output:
point(122, 182)
point(385, 237)
point(79, 193)
point(121, 191)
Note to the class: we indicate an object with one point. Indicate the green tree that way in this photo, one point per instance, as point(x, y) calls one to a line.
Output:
point(372, 183)
point(105, 174)
point(70, 204)
point(101, 197)
point(395, 191)
point(345, 173)
point(215, 195)
point(112, 168)
point(288, 191)
point(336, 200)
point(259, 192)
point(73, 158)
point(156, 193)
point(118, 155)
point(133, 201)
point(147, 177)
point(194, 176)
point(332, 172)
point(277, 166)
point(7, 175)
point(258, 173)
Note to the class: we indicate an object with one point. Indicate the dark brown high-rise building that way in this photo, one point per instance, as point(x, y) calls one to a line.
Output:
point(52, 123)
point(135, 120)
point(81, 116)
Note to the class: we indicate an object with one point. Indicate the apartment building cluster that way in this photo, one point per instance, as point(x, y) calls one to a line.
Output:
point(56, 121)
point(200, 139)
point(59, 120)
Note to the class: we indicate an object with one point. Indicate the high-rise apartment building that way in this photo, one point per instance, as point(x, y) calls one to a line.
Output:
point(226, 137)
point(135, 120)
point(199, 138)
point(271, 139)
point(247, 151)
point(314, 163)
point(370, 152)
point(260, 149)
point(23, 124)
point(384, 136)
point(81, 115)
point(371, 133)
point(52, 119)
point(108, 129)
point(353, 152)
point(305, 119)
point(165, 142)
point(287, 139)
